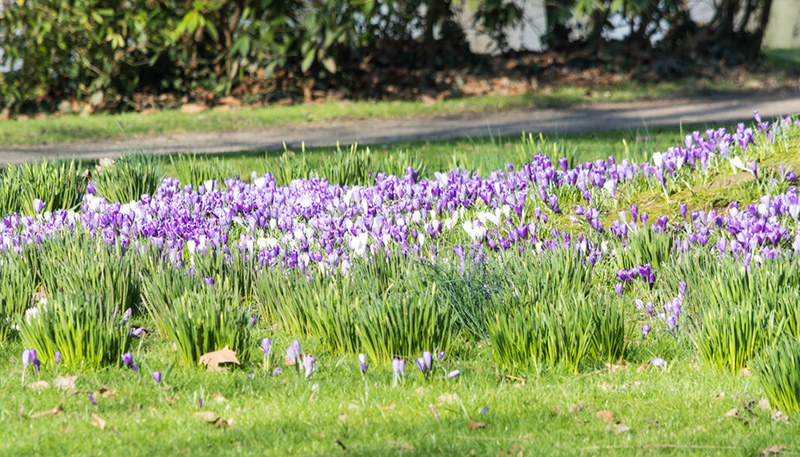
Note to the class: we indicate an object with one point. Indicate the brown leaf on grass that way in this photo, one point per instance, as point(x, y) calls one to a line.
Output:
point(50, 412)
point(474, 425)
point(172, 399)
point(433, 410)
point(606, 386)
point(213, 359)
point(732, 413)
point(605, 416)
point(406, 446)
point(619, 428)
point(448, 398)
point(774, 449)
point(40, 385)
point(778, 416)
point(642, 367)
point(615, 368)
point(65, 382)
point(39, 295)
point(720, 395)
point(217, 397)
point(580, 406)
point(211, 418)
point(105, 392)
point(515, 450)
point(98, 422)
point(420, 391)
point(387, 407)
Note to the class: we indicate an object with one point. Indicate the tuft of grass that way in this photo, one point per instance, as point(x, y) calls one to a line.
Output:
point(778, 372)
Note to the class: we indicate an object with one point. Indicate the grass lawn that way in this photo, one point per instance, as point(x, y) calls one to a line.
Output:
point(117, 126)
point(626, 404)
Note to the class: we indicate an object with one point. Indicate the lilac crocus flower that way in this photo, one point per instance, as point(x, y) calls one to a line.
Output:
point(38, 205)
point(399, 368)
point(157, 377)
point(645, 330)
point(453, 374)
point(127, 359)
point(441, 355)
point(208, 280)
point(659, 362)
point(266, 346)
point(649, 308)
point(363, 361)
point(790, 176)
point(126, 315)
point(293, 352)
point(57, 357)
point(253, 320)
point(277, 371)
point(26, 359)
point(672, 323)
point(424, 362)
point(308, 365)
point(484, 410)
point(618, 288)
point(91, 399)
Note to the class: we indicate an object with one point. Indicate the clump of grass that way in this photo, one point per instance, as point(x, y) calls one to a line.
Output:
point(731, 337)
point(82, 263)
point(192, 170)
point(59, 184)
point(403, 326)
point(563, 332)
point(778, 372)
point(17, 285)
point(203, 320)
point(645, 246)
point(128, 178)
point(83, 327)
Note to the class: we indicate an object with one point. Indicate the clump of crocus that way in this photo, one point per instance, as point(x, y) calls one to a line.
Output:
point(363, 360)
point(425, 362)
point(399, 368)
point(127, 359)
point(645, 330)
point(29, 357)
point(157, 377)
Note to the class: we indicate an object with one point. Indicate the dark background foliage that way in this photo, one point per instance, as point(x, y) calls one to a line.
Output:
point(104, 52)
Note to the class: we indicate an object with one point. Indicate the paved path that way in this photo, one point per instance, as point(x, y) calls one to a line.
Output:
point(599, 116)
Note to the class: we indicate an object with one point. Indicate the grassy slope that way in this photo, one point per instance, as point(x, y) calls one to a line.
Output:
point(107, 126)
point(678, 410)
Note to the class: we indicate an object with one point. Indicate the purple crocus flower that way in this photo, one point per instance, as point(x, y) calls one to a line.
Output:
point(57, 357)
point(683, 210)
point(208, 280)
point(253, 320)
point(790, 176)
point(91, 399)
point(200, 402)
point(38, 205)
point(484, 410)
point(753, 167)
point(672, 323)
point(277, 371)
point(157, 377)
point(363, 361)
point(137, 331)
point(424, 362)
point(399, 368)
point(618, 288)
point(266, 346)
point(126, 315)
point(293, 352)
point(659, 362)
point(649, 308)
point(441, 355)
point(26, 359)
point(453, 374)
point(308, 365)
point(127, 359)
point(645, 330)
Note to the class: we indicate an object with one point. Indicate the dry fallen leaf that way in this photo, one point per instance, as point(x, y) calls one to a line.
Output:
point(65, 382)
point(386, 407)
point(732, 413)
point(643, 367)
point(172, 399)
point(580, 406)
point(474, 425)
point(105, 392)
point(619, 428)
point(614, 368)
point(433, 410)
point(98, 421)
point(764, 404)
point(211, 418)
point(515, 450)
point(720, 395)
point(606, 386)
point(343, 417)
point(217, 397)
point(605, 415)
point(406, 446)
point(448, 398)
point(745, 371)
point(774, 449)
point(40, 385)
point(420, 391)
point(50, 412)
point(778, 416)
point(213, 359)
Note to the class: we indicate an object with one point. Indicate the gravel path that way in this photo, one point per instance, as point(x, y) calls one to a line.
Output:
point(718, 109)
